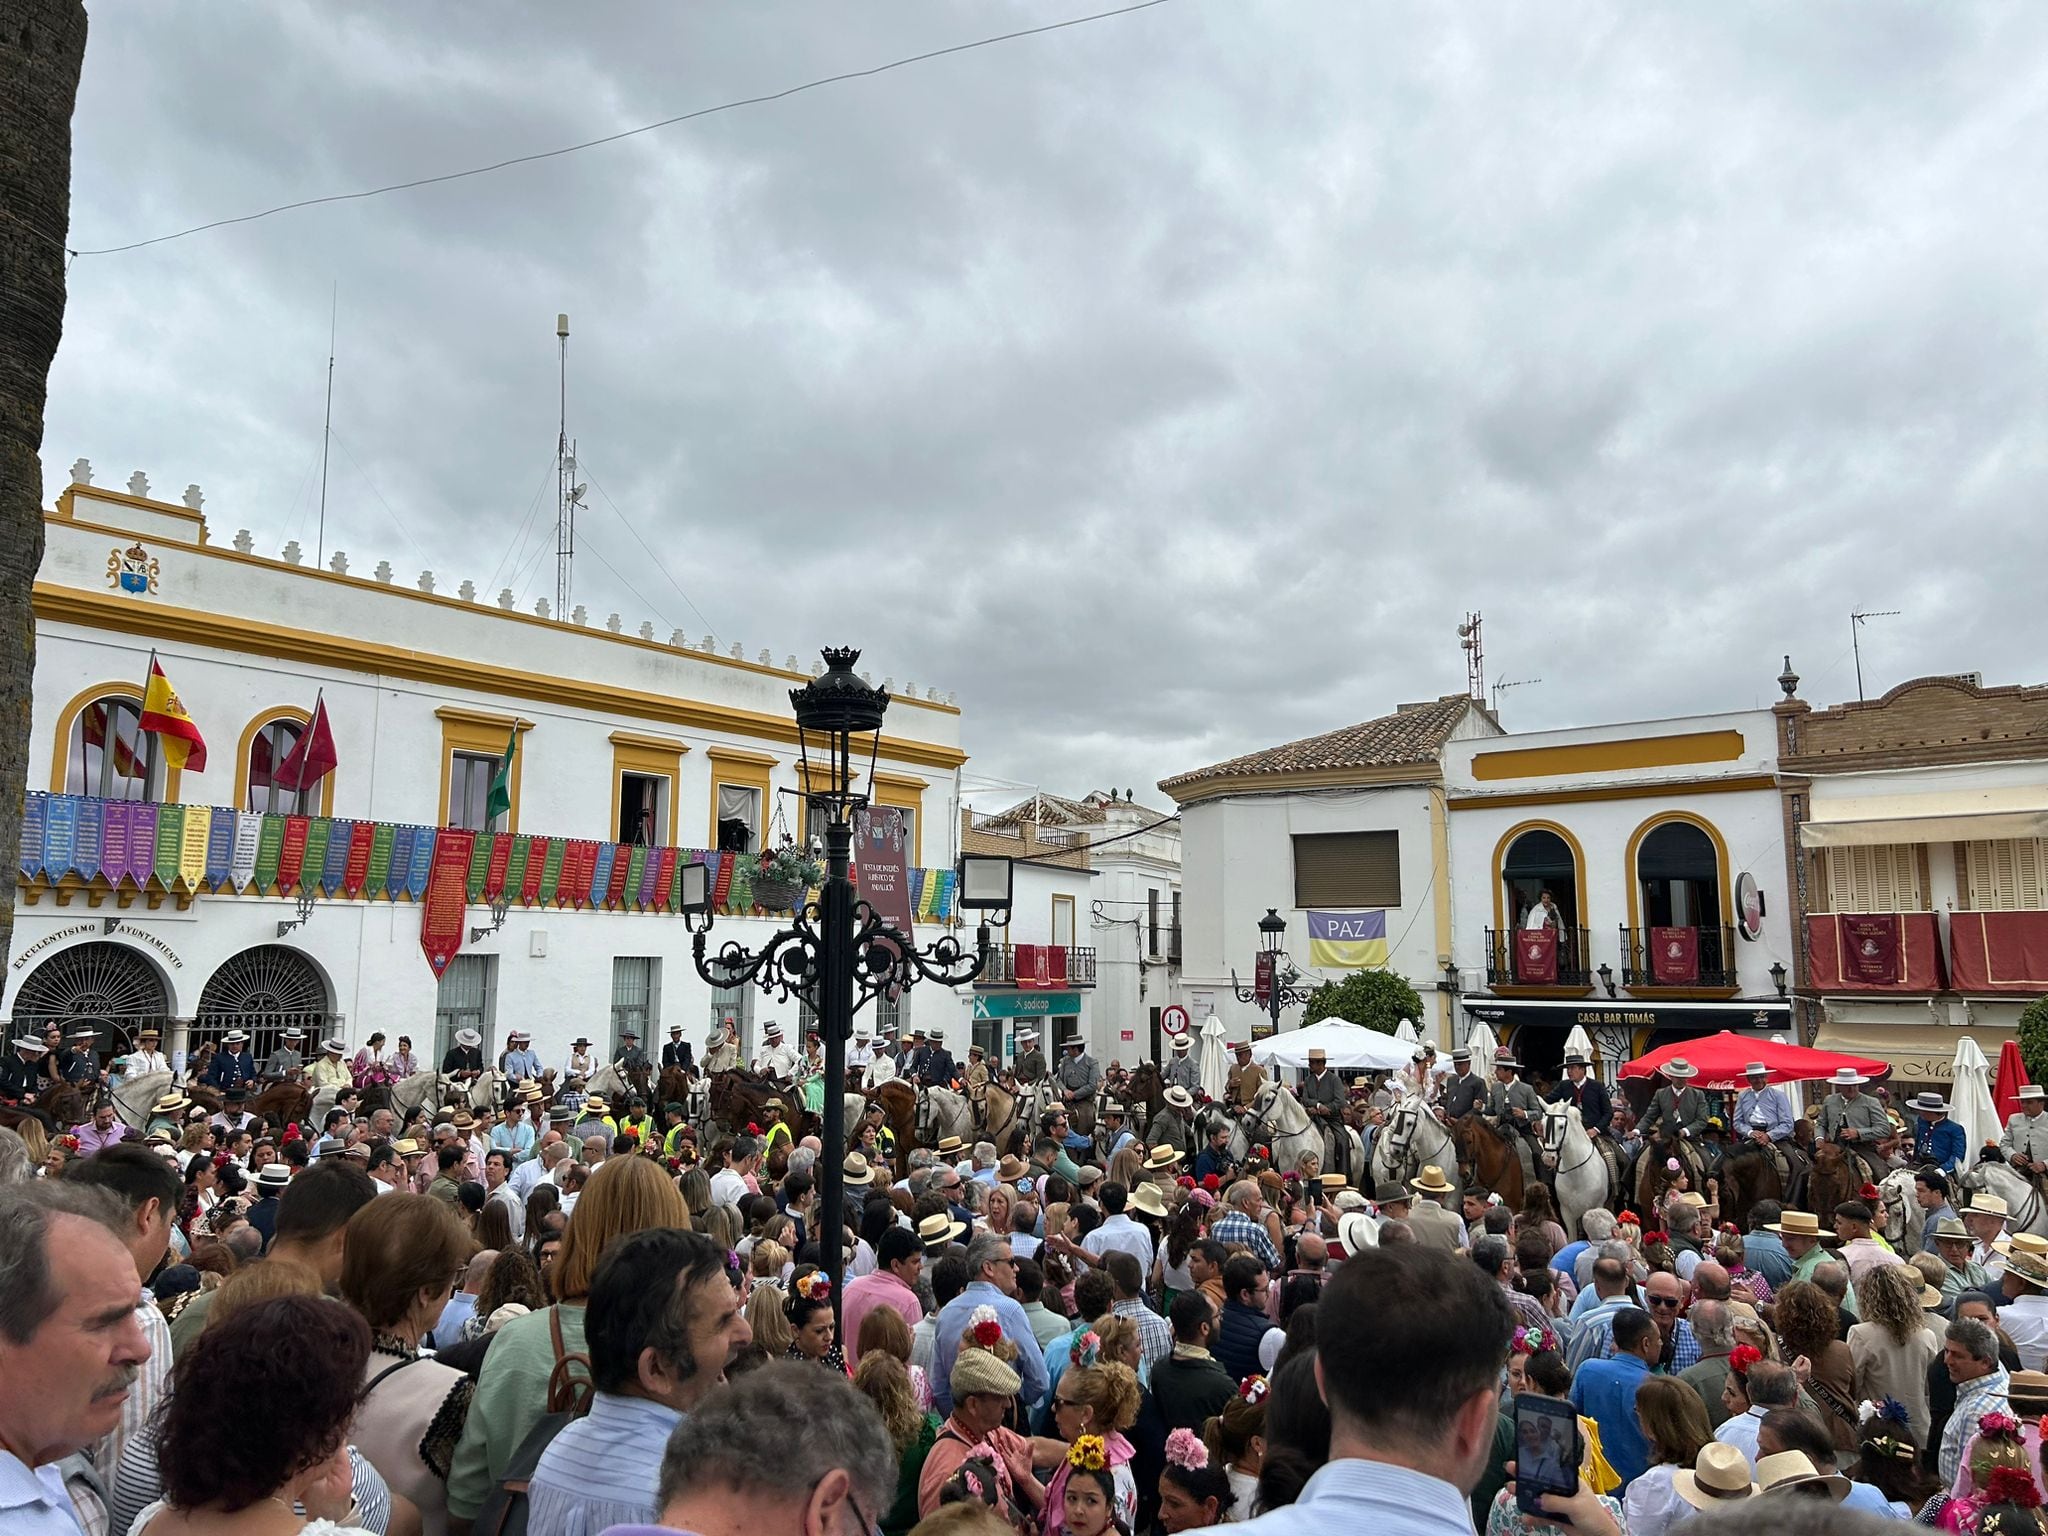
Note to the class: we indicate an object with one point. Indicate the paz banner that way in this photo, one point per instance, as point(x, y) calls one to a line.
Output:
point(445, 906)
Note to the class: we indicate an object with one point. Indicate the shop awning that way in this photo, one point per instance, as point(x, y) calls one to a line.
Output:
point(1953, 816)
point(1919, 1053)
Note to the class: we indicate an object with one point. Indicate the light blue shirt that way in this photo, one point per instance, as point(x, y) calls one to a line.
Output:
point(602, 1469)
point(1364, 1495)
point(447, 1330)
point(1016, 1328)
point(1768, 1101)
point(1865, 1497)
point(33, 1502)
point(514, 1136)
point(522, 1065)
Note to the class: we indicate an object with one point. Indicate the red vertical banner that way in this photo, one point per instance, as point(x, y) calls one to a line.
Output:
point(536, 865)
point(622, 863)
point(291, 856)
point(881, 864)
point(1675, 956)
point(665, 881)
point(721, 881)
point(578, 858)
point(1262, 978)
point(1024, 964)
point(356, 873)
point(1870, 949)
point(444, 908)
point(1536, 956)
point(1052, 965)
point(494, 872)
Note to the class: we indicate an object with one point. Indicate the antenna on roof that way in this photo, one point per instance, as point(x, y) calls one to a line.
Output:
point(1520, 682)
point(1856, 621)
point(567, 492)
point(1475, 658)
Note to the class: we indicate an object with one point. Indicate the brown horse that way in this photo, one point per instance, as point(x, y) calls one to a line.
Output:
point(1749, 1173)
point(673, 1086)
point(899, 1108)
point(1144, 1095)
point(1491, 1160)
point(1835, 1178)
point(61, 1104)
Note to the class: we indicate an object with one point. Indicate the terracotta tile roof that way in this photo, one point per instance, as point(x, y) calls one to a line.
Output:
point(1413, 734)
point(1047, 811)
point(1022, 842)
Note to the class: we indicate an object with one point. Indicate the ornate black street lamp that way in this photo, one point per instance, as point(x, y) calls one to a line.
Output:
point(839, 954)
point(1276, 983)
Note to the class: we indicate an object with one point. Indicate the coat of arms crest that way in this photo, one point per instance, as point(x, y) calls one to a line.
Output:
point(133, 569)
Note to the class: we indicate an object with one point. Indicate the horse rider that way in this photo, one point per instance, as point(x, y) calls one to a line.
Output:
point(1511, 1103)
point(331, 1071)
point(1077, 1075)
point(1322, 1095)
point(860, 1050)
point(1464, 1091)
point(233, 1065)
point(777, 1060)
point(464, 1060)
point(1242, 1086)
point(882, 1064)
point(930, 1064)
point(21, 1074)
point(1585, 1093)
point(1848, 1115)
point(1181, 1071)
point(1029, 1068)
point(977, 1078)
point(632, 1063)
point(146, 1058)
point(1679, 1108)
point(581, 1062)
point(285, 1062)
point(722, 1050)
point(1936, 1138)
point(521, 1062)
point(1761, 1100)
point(1113, 1135)
point(1419, 1076)
point(1173, 1126)
point(2025, 1141)
point(677, 1053)
point(77, 1062)
point(235, 1116)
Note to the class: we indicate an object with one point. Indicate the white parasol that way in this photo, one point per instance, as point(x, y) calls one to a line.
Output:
point(1578, 1040)
point(1405, 1033)
point(1214, 1069)
point(1970, 1104)
point(1344, 1043)
point(1483, 1047)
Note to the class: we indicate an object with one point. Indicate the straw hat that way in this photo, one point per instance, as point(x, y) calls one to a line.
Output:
point(978, 1371)
point(333, 1047)
point(1161, 1157)
point(169, 1103)
point(405, 1146)
point(1797, 1224)
point(235, 1037)
point(1432, 1182)
point(295, 1033)
point(1793, 1469)
point(1180, 1098)
point(595, 1105)
point(1927, 1104)
point(1846, 1077)
point(1679, 1067)
point(274, 1176)
point(1356, 1233)
point(1180, 1045)
point(1719, 1476)
point(464, 1121)
point(2028, 1267)
point(939, 1228)
point(1333, 1181)
point(2028, 1391)
point(1986, 1204)
point(1146, 1198)
point(2031, 1091)
point(855, 1170)
point(951, 1146)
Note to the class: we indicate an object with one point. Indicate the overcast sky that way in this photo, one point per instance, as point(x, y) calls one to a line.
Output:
point(1167, 386)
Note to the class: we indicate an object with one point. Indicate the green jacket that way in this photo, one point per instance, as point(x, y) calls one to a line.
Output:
point(511, 1396)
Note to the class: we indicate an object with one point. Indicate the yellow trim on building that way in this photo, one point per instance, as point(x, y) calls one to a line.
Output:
point(742, 770)
point(273, 716)
point(892, 790)
point(68, 496)
point(410, 594)
point(1501, 916)
point(1660, 789)
point(478, 731)
point(661, 756)
point(67, 718)
point(1609, 756)
point(1635, 885)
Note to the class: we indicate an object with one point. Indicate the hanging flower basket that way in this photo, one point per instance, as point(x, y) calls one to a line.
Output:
point(777, 895)
point(781, 876)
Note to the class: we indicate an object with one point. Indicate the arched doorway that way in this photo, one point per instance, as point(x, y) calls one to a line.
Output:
point(265, 991)
point(1679, 874)
point(111, 987)
point(1537, 861)
point(1678, 908)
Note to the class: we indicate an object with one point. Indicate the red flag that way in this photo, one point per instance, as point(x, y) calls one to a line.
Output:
point(2012, 1077)
point(311, 758)
point(164, 713)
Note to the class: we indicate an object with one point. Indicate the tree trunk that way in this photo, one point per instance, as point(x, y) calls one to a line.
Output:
point(42, 49)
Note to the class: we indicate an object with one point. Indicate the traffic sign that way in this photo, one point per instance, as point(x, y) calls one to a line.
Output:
point(1174, 1019)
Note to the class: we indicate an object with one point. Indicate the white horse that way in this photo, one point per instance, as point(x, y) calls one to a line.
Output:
point(135, 1095)
point(1578, 1173)
point(411, 1093)
point(1902, 1218)
point(941, 1113)
point(1281, 1124)
point(609, 1083)
point(2022, 1199)
point(1411, 1140)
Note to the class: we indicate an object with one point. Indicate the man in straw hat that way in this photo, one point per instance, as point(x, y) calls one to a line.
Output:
point(1677, 1107)
point(1180, 1070)
point(1718, 1477)
point(1763, 1100)
point(1849, 1115)
point(1936, 1138)
point(2025, 1141)
point(234, 1064)
point(1171, 1126)
point(722, 1050)
point(521, 1062)
point(1435, 1226)
point(331, 1070)
point(1951, 1240)
point(1986, 1216)
point(1246, 1077)
point(2024, 1314)
point(146, 1057)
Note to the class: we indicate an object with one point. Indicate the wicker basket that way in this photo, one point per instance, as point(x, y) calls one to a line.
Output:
point(777, 895)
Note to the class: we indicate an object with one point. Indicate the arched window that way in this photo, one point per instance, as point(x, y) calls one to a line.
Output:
point(1680, 877)
point(109, 755)
point(269, 747)
point(1538, 861)
point(265, 991)
point(109, 986)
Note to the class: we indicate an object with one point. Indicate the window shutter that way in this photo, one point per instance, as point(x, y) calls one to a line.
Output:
point(2007, 874)
point(1884, 878)
point(1347, 869)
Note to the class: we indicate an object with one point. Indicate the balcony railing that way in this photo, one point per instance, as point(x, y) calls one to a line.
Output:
point(1506, 968)
point(1677, 957)
point(1002, 967)
point(1897, 952)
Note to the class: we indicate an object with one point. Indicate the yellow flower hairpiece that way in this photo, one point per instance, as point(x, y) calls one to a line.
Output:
point(1089, 1453)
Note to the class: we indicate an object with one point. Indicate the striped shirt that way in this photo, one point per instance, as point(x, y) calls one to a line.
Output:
point(602, 1469)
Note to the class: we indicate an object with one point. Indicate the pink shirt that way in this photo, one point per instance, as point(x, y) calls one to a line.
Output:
point(879, 1288)
point(92, 1139)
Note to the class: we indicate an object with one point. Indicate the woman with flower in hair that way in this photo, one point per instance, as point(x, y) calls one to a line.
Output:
point(813, 1328)
point(1082, 1499)
point(1994, 1466)
point(1888, 1458)
point(1097, 1400)
point(1236, 1438)
point(1194, 1491)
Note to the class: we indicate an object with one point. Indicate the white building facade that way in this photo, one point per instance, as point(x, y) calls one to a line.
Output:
point(633, 755)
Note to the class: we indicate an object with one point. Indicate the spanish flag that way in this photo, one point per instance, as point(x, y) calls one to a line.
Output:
point(164, 713)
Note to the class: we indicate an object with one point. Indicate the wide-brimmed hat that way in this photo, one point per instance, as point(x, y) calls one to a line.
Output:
point(1012, 1168)
point(939, 1228)
point(295, 1033)
point(1112, 1107)
point(1930, 1299)
point(1333, 1181)
point(1927, 1104)
point(1075, 1044)
point(405, 1146)
point(1984, 1203)
point(1432, 1182)
point(530, 1093)
point(1790, 1470)
point(1576, 1059)
point(561, 1114)
point(855, 1170)
point(1027, 1034)
point(2028, 1393)
point(235, 1037)
point(1161, 1157)
point(595, 1105)
point(1506, 1060)
point(773, 1104)
point(1180, 1044)
point(468, 1037)
point(1146, 1198)
point(32, 1046)
point(2028, 1268)
point(1756, 1069)
point(949, 1146)
point(1356, 1233)
point(1720, 1475)
point(169, 1103)
point(1391, 1192)
point(1180, 1098)
point(1847, 1077)
point(1317, 1053)
point(2031, 1091)
point(977, 1371)
point(333, 1047)
point(464, 1120)
point(1679, 1067)
point(274, 1176)
point(148, 1034)
point(581, 1042)
point(1950, 1229)
point(1240, 1045)
point(1797, 1224)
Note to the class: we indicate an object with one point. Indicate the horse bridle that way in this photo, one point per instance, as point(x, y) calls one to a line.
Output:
point(1558, 1113)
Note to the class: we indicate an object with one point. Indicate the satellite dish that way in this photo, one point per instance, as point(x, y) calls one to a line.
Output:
point(1464, 630)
